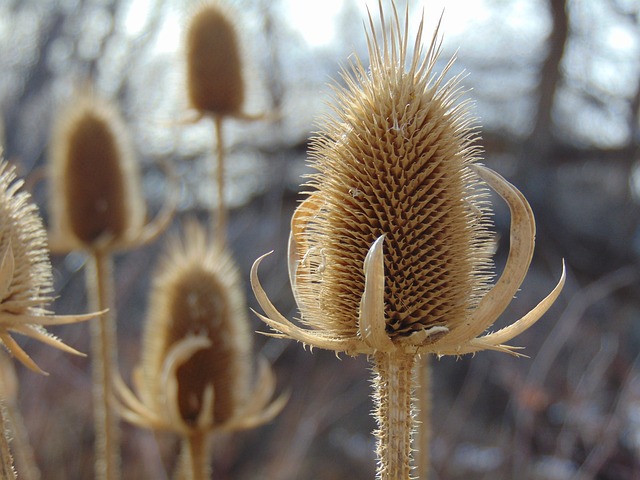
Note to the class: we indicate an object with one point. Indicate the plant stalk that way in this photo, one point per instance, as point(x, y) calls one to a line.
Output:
point(423, 436)
point(104, 356)
point(6, 460)
point(220, 233)
point(195, 458)
point(394, 385)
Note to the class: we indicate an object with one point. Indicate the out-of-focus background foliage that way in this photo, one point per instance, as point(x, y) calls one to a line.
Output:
point(556, 86)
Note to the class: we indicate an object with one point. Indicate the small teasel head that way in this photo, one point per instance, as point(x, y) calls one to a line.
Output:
point(197, 332)
point(96, 195)
point(26, 283)
point(215, 83)
point(392, 249)
point(196, 371)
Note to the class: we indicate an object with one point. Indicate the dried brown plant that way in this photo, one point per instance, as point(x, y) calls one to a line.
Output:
point(390, 254)
point(96, 197)
point(98, 207)
point(26, 283)
point(215, 82)
point(196, 376)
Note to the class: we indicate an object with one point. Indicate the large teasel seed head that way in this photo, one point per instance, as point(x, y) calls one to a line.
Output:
point(215, 84)
point(197, 296)
point(394, 162)
point(96, 194)
point(392, 249)
point(26, 282)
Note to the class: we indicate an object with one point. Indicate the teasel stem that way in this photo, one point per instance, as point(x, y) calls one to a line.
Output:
point(6, 461)
point(195, 458)
point(423, 427)
point(220, 234)
point(394, 385)
point(22, 450)
point(99, 277)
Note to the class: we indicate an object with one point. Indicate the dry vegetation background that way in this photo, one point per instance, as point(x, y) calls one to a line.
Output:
point(557, 88)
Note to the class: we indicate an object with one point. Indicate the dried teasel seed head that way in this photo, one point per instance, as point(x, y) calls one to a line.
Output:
point(96, 193)
point(25, 272)
point(391, 251)
point(393, 164)
point(215, 82)
point(197, 300)
point(22, 236)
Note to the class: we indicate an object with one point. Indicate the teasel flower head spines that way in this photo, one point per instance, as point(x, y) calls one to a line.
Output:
point(398, 218)
point(215, 61)
point(196, 369)
point(26, 282)
point(96, 193)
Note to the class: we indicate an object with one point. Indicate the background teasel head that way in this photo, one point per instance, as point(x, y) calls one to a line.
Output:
point(215, 83)
point(96, 195)
point(196, 371)
point(392, 249)
point(25, 272)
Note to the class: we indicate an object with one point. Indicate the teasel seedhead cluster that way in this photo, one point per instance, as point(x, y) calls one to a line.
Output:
point(196, 371)
point(215, 78)
point(97, 200)
point(391, 250)
point(26, 282)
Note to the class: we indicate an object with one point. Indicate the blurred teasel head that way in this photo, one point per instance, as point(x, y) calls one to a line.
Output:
point(26, 283)
point(196, 371)
point(96, 195)
point(215, 83)
point(391, 250)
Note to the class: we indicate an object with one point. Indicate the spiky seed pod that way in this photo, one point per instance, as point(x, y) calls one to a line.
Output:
point(195, 374)
point(25, 272)
point(392, 248)
point(197, 293)
point(398, 170)
point(215, 82)
point(96, 196)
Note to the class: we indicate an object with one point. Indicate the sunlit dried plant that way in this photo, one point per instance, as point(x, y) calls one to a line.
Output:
point(196, 375)
point(390, 254)
point(96, 197)
point(98, 207)
point(26, 283)
point(215, 81)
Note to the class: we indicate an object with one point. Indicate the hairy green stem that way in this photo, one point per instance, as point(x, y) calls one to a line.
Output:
point(104, 356)
point(394, 385)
